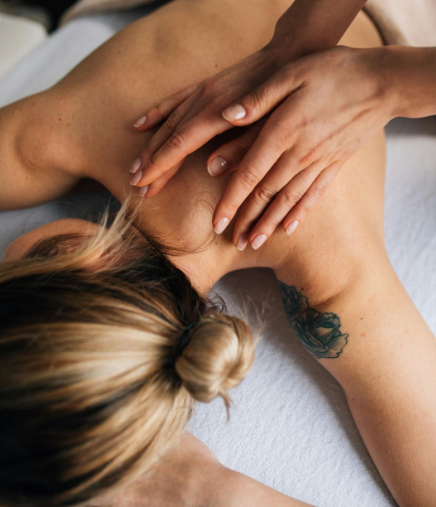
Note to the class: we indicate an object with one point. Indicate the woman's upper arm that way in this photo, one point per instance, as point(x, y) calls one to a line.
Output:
point(20, 188)
point(33, 157)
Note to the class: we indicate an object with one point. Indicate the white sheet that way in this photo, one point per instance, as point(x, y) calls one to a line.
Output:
point(290, 426)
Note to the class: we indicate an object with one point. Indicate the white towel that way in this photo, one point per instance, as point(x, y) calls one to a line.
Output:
point(405, 22)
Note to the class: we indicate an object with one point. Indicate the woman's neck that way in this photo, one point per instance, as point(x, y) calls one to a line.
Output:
point(36, 136)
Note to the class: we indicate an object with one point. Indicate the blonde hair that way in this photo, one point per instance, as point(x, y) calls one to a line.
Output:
point(94, 386)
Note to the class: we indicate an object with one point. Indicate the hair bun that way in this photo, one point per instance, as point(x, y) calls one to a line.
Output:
point(219, 354)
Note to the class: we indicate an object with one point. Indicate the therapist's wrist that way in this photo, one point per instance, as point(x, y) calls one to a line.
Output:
point(285, 49)
point(411, 73)
point(380, 64)
point(294, 39)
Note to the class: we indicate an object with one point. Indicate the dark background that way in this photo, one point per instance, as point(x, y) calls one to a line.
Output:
point(54, 7)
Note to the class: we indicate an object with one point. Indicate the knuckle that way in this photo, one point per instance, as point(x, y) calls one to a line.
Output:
point(248, 179)
point(208, 88)
point(257, 99)
point(308, 156)
point(306, 205)
point(158, 108)
point(282, 136)
point(239, 150)
point(291, 197)
point(171, 122)
point(178, 96)
point(265, 194)
point(177, 141)
point(319, 190)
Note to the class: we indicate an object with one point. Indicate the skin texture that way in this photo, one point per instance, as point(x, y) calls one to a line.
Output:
point(305, 118)
point(191, 476)
point(338, 261)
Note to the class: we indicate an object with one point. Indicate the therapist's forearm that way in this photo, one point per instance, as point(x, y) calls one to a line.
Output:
point(411, 77)
point(313, 25)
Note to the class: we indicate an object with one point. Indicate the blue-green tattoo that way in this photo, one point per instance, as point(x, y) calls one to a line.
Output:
point(319, 332)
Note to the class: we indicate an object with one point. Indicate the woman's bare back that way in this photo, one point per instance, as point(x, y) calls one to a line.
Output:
point(89, 115)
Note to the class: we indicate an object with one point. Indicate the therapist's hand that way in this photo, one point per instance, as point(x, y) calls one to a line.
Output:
point(324, 107)
point(194, 116)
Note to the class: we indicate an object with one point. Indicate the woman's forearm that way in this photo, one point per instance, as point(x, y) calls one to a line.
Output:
point(313, 25)
point(378, 347)
point(411, 77)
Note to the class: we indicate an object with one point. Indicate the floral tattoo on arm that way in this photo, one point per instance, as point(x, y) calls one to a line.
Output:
point(319, 332)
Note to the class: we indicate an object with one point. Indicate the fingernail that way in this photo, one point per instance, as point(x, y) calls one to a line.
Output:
point(136, 179)
point(258, 241)
point(143, 191)
point(140, 122)
point(233, 113)
point(217, 166)
point(242, 242)
point(292, 227)
point(136, 165)
point(221, 225)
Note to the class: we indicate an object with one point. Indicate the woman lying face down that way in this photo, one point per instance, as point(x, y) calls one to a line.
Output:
point(107, 337)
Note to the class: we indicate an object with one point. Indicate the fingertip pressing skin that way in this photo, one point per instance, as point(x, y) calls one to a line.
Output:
point(221, 225)
point(242, 242)
point(292, 226)
point(136, 166)
point(136, 179)
point(217, 166)
point(234, 113)
point(258, 241)
point(141, 122)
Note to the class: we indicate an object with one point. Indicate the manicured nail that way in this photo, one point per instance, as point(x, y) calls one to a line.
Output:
point(292, 227)
point(242, 242)
point(136, 165)
point(217, 166)
point(143, 191)
point(136, 179)
point(258, 241)
point(221, 225)
point(233, 113)
point(140, 122)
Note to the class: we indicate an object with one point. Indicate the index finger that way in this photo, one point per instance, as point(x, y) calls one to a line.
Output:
point(260, 158)
point(186, 139)
point(162, 110)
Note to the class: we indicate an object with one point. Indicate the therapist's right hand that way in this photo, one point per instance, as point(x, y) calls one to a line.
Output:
point(193, 116)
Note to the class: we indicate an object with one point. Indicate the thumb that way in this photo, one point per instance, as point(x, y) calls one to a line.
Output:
point(263, 99)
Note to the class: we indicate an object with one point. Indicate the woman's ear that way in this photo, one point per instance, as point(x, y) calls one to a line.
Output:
point(90, 258)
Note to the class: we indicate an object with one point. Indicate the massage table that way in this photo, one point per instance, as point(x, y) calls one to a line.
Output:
point(290, 425)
